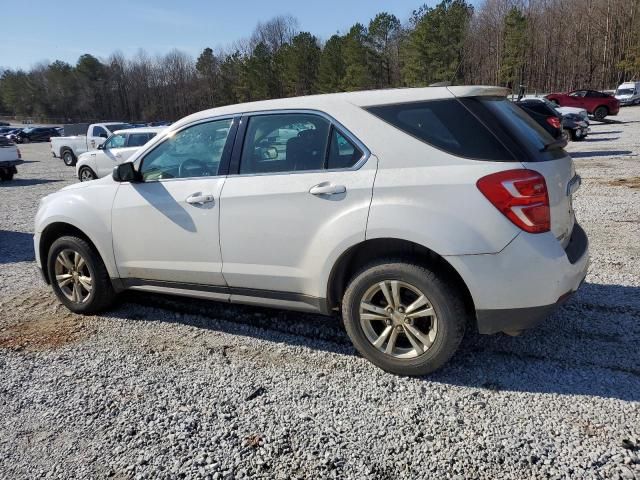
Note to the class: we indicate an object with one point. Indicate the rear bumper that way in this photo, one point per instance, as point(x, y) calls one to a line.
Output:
point(523, 284)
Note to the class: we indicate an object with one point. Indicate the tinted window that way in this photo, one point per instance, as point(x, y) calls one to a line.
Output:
point(284, 143)
point(578, 93)
point(115, 141)
point(98, 131)
point(193, 152)
point(139, 139)
point(342, 152)
point(519, 126)
point(538, 107)
point(447, 125)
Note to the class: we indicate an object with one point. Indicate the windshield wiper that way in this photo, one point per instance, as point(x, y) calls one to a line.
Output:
point(557, 143)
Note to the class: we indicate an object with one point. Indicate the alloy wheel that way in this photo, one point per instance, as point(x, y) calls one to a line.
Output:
point(86, 175)
point(398, 319)
point(73, 276)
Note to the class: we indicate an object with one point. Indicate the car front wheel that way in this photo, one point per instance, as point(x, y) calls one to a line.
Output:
point(78, 276)
point(86, 174)
point(403, 317)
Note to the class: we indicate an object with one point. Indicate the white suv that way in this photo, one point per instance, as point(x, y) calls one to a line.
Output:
point(416, 212)
point(117, 149)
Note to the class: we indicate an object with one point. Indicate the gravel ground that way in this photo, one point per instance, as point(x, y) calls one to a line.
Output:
point(168, 388)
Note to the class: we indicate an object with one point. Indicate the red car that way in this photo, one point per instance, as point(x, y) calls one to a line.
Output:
point(596, 103)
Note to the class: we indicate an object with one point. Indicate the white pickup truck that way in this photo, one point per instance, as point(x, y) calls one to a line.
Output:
point(9, 159)
point(69, 148)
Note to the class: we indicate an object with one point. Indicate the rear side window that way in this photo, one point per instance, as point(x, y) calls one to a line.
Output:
point(289, 142)
point(447, 125)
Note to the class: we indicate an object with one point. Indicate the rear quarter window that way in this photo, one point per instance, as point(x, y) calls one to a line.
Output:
point(446, 125)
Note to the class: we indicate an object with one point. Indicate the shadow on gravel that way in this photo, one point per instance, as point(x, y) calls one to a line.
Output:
point(607, 132)
point(588, 347)
point(16, 247)
point(600, 153)
point(26, 182)
point(599, 139)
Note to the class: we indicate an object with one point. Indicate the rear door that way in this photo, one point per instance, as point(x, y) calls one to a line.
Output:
point(299, 188)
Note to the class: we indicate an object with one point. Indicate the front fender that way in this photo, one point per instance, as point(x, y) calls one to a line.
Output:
point(88, 210)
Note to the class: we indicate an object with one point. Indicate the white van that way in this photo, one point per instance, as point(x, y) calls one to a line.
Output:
point(628, 93)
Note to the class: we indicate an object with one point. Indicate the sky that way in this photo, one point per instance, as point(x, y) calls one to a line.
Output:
point(47, 30)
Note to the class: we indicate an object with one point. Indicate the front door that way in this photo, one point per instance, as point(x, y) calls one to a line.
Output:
point(109, 155)
point(165, 227)
point(302, 191)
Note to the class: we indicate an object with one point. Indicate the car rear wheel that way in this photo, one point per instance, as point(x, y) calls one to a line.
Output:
point(86, 174)
point(600, 113)
point(403, 317)
point(78, 276)
point(68, 158)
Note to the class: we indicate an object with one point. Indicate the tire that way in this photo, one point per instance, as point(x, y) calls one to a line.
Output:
point(86, 174)
point(600, 113)
point(6, 176)
point(403, 358)
point(68, 158)
point(101, 293)
point(567, 134)
point(26, 140)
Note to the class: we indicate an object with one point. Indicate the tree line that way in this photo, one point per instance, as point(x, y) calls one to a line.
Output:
point(547, 45)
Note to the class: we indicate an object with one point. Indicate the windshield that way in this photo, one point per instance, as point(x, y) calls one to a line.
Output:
point(625, 91)
point(117, 126)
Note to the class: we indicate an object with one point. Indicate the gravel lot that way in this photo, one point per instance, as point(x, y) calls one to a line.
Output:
point(168, 388)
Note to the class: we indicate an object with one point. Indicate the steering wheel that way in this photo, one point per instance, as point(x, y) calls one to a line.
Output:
point(189, 164)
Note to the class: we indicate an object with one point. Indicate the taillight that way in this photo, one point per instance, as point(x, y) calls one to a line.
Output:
point(521, 195)
point(554, 122)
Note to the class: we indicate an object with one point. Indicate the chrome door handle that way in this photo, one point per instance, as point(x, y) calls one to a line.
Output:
point(327, 189)
point(199, 199)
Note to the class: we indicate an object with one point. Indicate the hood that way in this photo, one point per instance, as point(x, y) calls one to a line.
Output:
point(76, 186)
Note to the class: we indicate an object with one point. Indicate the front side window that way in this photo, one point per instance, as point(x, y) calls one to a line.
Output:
point(578, 93)
point(284, 143)
point(193, 152)
point(115, 141)
point(139, 139)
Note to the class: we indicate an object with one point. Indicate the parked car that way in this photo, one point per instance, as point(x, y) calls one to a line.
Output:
point(414, 212)
point(12, 133)
point(117, 149)
point(4, 124)
point(598, 104)
point(628, 93)
point(10, 158)
point(547, 117)
point(35, 134)
point(70, 147)
point(571, 125)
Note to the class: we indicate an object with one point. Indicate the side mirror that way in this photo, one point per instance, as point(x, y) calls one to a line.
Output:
point(125, 172)
point(101, 146)
point(269, 153)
